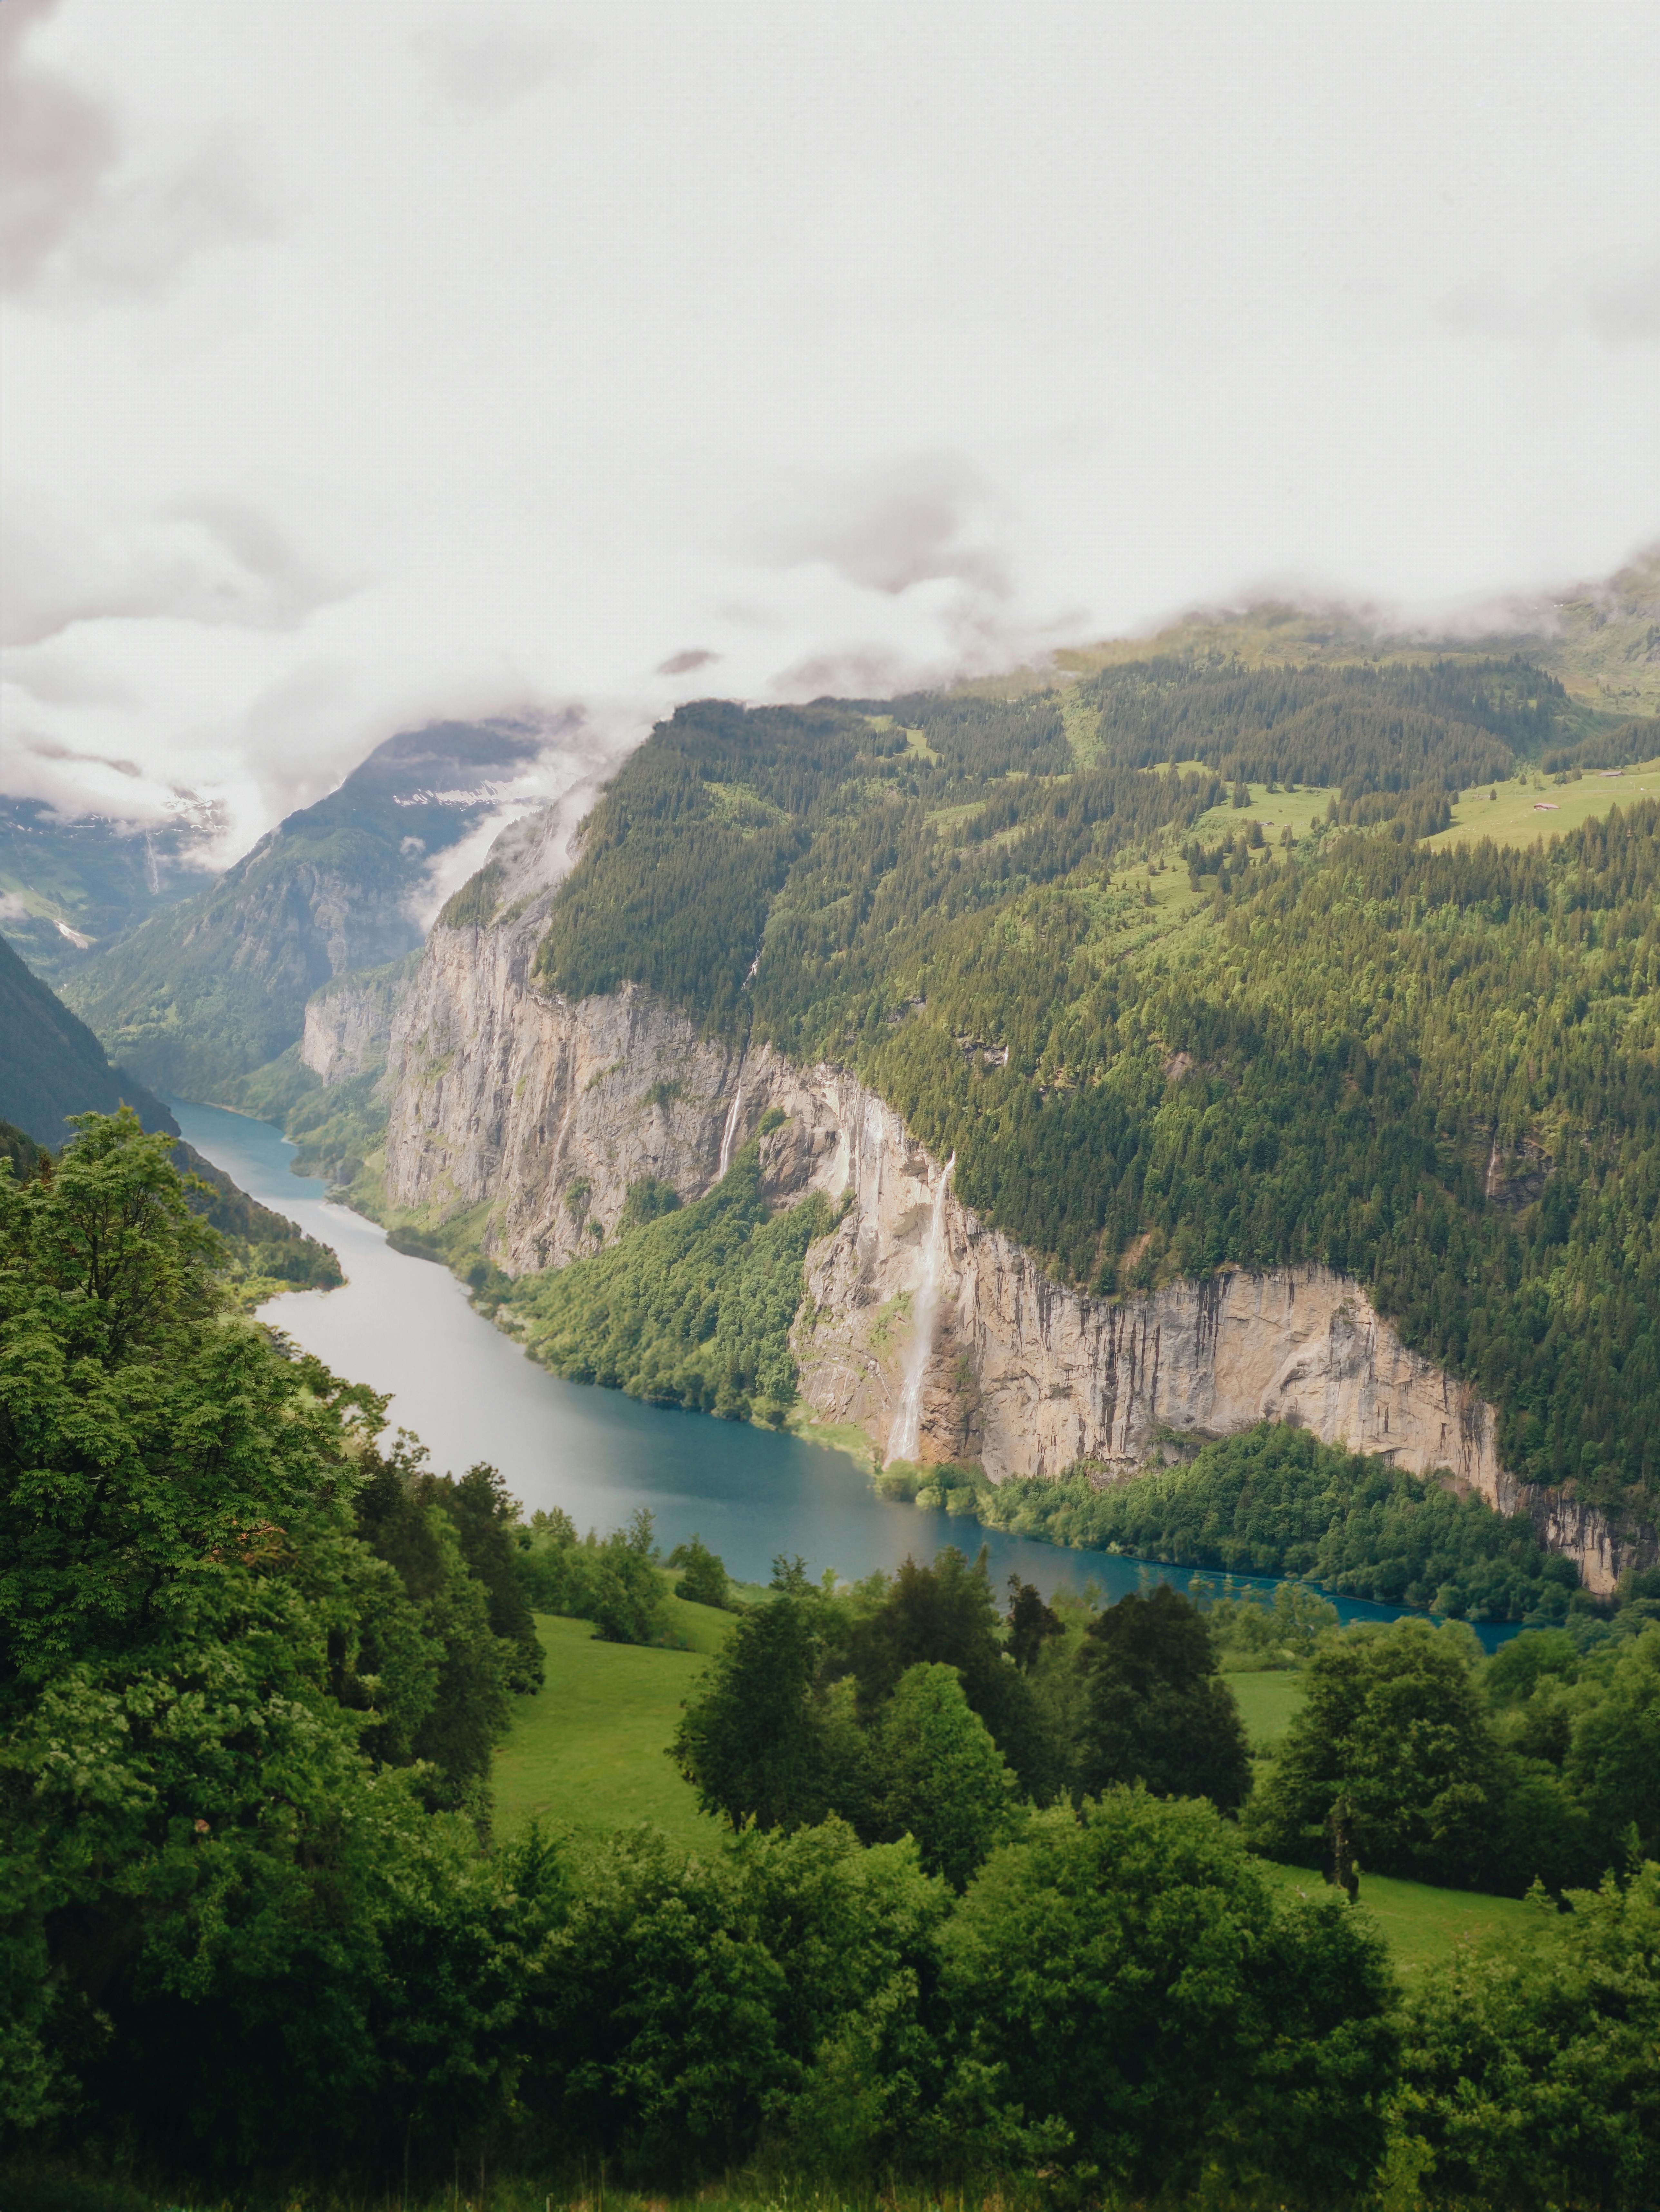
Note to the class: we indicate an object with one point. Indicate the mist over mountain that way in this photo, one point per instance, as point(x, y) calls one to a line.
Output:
point(216, 985)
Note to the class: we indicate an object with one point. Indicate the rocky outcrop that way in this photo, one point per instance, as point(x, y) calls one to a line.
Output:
point(349, 1022)
point(548, 1110)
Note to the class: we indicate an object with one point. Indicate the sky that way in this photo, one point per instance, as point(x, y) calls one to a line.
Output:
point(366, 361)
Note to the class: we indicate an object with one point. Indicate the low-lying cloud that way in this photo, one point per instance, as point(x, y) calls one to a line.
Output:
point(366, 366)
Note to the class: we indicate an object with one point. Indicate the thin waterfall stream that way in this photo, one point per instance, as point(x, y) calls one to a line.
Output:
point(731, 1131)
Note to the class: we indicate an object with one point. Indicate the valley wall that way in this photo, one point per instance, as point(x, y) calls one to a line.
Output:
point(508, 1096)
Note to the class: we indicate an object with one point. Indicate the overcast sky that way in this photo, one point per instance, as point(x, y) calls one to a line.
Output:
point(371, 360)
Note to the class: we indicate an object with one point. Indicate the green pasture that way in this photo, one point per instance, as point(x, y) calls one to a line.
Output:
point(1539, 806)
point(1422, 1925)
point(1267, 1702)
point(589, 1750)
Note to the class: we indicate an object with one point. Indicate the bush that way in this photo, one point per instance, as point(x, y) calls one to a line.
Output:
point(1127, 1991)
point(703, 1578)
point(1156, 1710)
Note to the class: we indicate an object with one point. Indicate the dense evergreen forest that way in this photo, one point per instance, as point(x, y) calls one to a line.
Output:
point(1432, 1066)
point(986, 1920)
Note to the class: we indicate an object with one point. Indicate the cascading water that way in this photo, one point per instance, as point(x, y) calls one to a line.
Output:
point(730, 1131)
point(925, 1311)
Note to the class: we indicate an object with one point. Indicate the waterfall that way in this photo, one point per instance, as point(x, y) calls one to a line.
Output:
point(730, 1131)
point(907, 1420)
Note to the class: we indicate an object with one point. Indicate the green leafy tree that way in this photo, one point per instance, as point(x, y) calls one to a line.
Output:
point(750, 1738)
point(1530, 2076)
point(1157, 1711)
point(698, 2007)
point(485, 1519)
point(627, 1603)
point(1126, 1989)
point(403, 1518)
point(1394, 1723)
point(939, 1777)
point(945, 1615)
point(703, 1578)
point(230, 1927)
point(1032, 1624)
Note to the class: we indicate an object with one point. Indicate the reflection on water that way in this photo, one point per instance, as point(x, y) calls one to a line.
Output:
point(404, 1326)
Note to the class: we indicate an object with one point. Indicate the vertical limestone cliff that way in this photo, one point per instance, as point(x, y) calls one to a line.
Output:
point(505, 1096)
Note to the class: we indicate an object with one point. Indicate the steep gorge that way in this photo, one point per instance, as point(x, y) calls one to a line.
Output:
point(541, 1112)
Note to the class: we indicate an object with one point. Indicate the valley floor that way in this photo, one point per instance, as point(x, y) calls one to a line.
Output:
point(589, 1753)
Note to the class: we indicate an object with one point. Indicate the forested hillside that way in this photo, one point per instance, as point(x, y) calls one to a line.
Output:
point(1171, 1014)
point(51, 1065)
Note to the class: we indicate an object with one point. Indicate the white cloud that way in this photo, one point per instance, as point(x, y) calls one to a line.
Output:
point(453, 356)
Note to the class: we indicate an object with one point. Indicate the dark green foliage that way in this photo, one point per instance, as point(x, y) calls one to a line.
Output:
point(1580, 1732)
point(946, 1615)
point(51, 1065)
point(20, 1149)
point(626, 1606)
point(751, 1740)
point(1362, 729)
point(1530, 2078)
point(1157, 1711)
point(1130, 2000)
point(486, 1520)
point(692, 1309)
point(648, 1200)
point(1543, 1762)
point(1032, 1624)
point(702, 1574)
point(1637, 740)
point(229, 1928)
point(473, 905)
point(1274, 1500)
point(265, 1250)
point(612, 1581)
point(937, 1776)
point(406, 1516)
point(1394, 1723)
point(695, 2007)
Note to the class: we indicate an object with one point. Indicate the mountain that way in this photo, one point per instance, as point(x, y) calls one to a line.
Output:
point(68, 887)
point(216, 986)
point(52, 1066)
point(1599, 642)
point(1194, 1041)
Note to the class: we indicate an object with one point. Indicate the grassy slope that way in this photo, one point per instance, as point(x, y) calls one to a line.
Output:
point(589, 1751)
point(1267, 1702)
point(1422, 1924)
point(1514, 818)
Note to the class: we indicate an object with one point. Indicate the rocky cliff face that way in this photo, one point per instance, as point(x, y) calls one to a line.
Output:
point(349, 1022)
point(550, 1110)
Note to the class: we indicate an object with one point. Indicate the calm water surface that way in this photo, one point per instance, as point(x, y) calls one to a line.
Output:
point(405, 1326)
